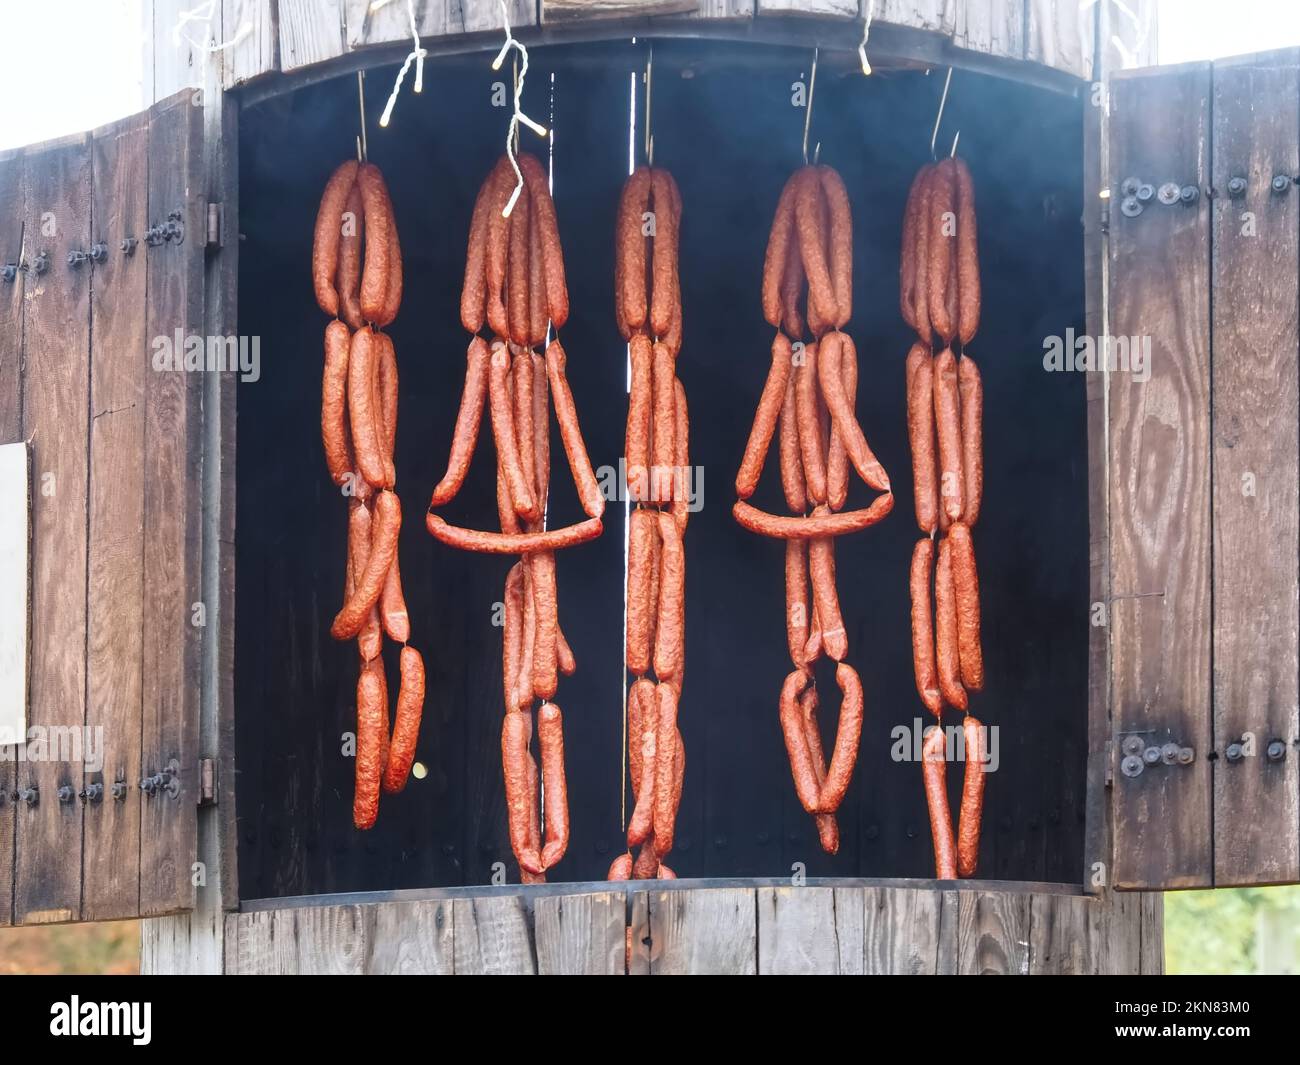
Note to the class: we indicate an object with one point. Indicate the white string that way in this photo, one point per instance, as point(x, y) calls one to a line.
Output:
point(417, 53)
point(866, 29)
point(204, 13)
point(518, 116)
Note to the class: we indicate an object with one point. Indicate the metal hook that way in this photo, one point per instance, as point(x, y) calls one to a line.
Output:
point(649, 135)
point(943, 100)
point(807, 118)
point(363, 156)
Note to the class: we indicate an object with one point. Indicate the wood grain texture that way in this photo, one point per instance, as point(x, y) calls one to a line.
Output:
point(172, 520)
point(411, 938)
point(492, 937)
point(1160, 480)
point(252, 26)
point(708, 931)
point(311, 31)
point(436, 18)
point(1126, 35)
point(1061, 34)
point(173, 62)
point(916, 14)
point(901, 930)
point(15, 575)
point(816, 8)
point(1256, 477)
point(992, 933)
point(797, 930)
point(12, 217)
point(571, 10)
point(994, 27)
point(56, 383)
point(1152, 958)
point(581, 935)
point(639, 941)
point(119, 365)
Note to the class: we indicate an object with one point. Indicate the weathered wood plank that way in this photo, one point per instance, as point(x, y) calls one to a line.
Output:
point(311, 31)
point(437, 18)
point(949, 933)
point(251, 32)
point(797, 931)
point(992, 933)
point(581, 935)
point(1160, 480)
point(318, 941)
point(411, 938)
point(915, 14)
point(176, 62)
point(492, 938)
point(172, 520)
point(1061, 34)
point(118, 369)
point(1152, 958)
point(12, 217)
point(710, 931)
point(639, 942)
point(15, 574)
point(900, 931)
point(815, 8)
point(588, 10)
point(189, 944)
point(1126, 35)
point(1256, 478)
point(994, 27)
point(56, 346)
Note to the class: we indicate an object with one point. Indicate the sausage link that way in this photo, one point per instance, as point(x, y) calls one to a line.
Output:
point(537, 313)
point(966, 594)
point(490, 543)
point(940, 248)
point(348, 276)
point(370, 740)
point(821, 573)
point(666, 762)
point(810, 444)
point(934, 768)
point(792, 287)
point(971, 390)
point(663, 440)
point(840, 231)
point(521, 393)
point(670, 627)
point(392, 605)
point(541, 430)
point(550, 739)
point(792, 482)
point(921, 284)
point(796, 598)
point(810, 227)
point(379, 251)
point(502, 181)
point(646, 866)
point(512, 641)
point(642, 820)
point(516, 732)
point(548, 232)
point(545, 648)
point(639, 406)
point(946, 639)
point(641, 710)
point(370, 638)
point(369, 585)
point(681, 458)
point(972, 796)
point(796, 742)
point(518, 244)
point(325, 239)
point(593, 503)
point(769, 408)
point(800, 528)
point(473, 293)
point(907, 256)
point(620, 868)
point(468, 419)
point(947, 419)
point(968, 263)
point(923, 666)
point(812, 649)
point(844, 421)
point(533, 816)
point(364, 417)
point(848, 739)
point(665, 285)
point(776, 297)
point(406, 725)
point(501, 403)
point(506, 515)
point(837, 458)
point(643, 531)
point(333, 408)
point(386, 392)
point(631, 248)
point(568, 664)
point(920, 431)
point(828, 829)
point(522, 697)
point(393, 291)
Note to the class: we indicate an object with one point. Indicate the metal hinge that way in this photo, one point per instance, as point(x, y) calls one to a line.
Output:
point(215, 212)
point(207, 782)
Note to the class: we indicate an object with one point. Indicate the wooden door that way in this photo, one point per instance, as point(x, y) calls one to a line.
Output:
point(1204, 488)
point(107, 231)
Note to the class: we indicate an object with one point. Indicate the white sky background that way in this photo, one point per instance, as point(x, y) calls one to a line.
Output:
point(69, 65)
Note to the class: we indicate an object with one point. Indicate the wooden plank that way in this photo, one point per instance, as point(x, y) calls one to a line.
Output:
point(703, 932)
point(491, 937)
point(410, 938)
point(1256, 476)
point(250, 30)
point(797, 931)
point(992, 933)
point(15, 577)
point(438, 18)
point(1061, 34)
point(949, 933)
point(589, 10)
point(914, 14)
point(172, 473)
point(1126, 35)
point(56, 347)
point(993, 27)
point(1152, 958)
point(173, 58)
point(311, 31)
point(900, 930)
point(318, 941)
point(189, 944)
point(640, 943)
point(581, 935)
point(119, 365)
point(814, 8)
point(1160, 480)
point(12, 217)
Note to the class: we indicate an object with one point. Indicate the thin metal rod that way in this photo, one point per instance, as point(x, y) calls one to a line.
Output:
point(807, 118)
point(954, 144)
point(649, 94)
point(362, 152)
point(939, 117)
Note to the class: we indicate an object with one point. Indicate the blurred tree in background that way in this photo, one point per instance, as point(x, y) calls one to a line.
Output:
point(1233, 931)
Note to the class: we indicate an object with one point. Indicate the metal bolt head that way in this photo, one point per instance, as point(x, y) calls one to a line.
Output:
point(1281, 184)
point(1189, 194)
point(147, 785)
point(1235, 752)
point(10, 272)
point(1133, 745)
point(1146, 192)
point(1132, 765)
point(1130, 207)
point(30, 795)
point(1151, 755)
point(1169, 193)
point(92, 792)
point(98, 252)
point(65, 793)
point(1186, 755)
point(1275, 751)
point(127, 245)
point(1169, 753)
point(1237, 187)
point(41, 263)
point(76, 258)
point(1129, 186)
point(119, 790)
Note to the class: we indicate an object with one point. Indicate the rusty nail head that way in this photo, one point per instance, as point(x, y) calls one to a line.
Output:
point(1186, 755)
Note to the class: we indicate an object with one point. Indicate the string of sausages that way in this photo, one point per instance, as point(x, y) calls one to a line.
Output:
point(809, 399)
point(362, 290)
point(940, 298)
point(515, 285)
point(647, 305)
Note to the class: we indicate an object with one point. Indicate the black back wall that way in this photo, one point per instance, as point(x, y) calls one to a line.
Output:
point(731, 137)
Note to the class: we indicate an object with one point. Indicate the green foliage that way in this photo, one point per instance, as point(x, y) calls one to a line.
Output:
point(1233, 930)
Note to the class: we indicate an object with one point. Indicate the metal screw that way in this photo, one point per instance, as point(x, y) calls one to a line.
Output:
point(153, 236)
point(1189, 194)
point(41, 263)
point(1275, 751)
point(65, 793)
point(1186, 755)
point(30, 795)
point(1281, 184)
point(1237, 187)
point(98, 252)
point(1169, 753)
point(93, 792)
point(76, 258)
point(1133, 745)
point(1151, 755)
point(1169, 193)
point(119, 790)
point(1130, 207)
point(1129, 186)
point(148, 785)
point(1132, 766)
point(1235, 752)
point(1145, 192)
point(128, 245)
point(10, 272)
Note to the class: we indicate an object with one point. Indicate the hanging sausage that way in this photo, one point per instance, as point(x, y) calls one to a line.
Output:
point(808, 401)
point(648, 309)
point(357, 277)
point(939, 287)
point(515, 287)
